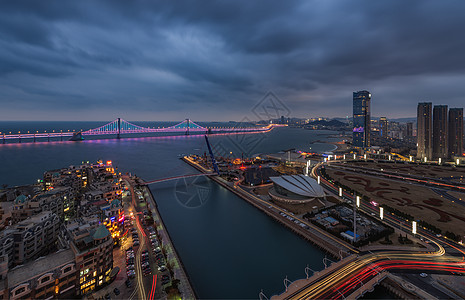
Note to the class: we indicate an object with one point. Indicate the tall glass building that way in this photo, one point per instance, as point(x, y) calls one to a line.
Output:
point(362, 119)
point(425, 130)
point(440, 132)
point(383, 127)
point(455, 132)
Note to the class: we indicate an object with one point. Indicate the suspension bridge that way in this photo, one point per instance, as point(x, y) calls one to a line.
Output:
point(120, 127)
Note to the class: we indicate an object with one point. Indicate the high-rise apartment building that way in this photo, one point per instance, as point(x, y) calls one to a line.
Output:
point(362, 119)
point(383, 127)
point(425, 130)
point(409, 129)
point(440, 132)
point(455, 132)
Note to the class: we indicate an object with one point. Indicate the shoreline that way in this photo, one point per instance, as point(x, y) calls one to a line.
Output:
point(338, 145)
point(313, 234)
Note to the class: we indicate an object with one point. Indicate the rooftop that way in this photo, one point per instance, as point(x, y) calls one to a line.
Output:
point(39, 266)
point(20, 199)
point(300, 185)
point(101, 232)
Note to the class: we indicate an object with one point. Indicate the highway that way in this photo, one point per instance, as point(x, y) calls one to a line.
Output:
point(344, 280)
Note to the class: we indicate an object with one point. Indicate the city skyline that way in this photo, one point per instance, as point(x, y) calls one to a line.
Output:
point(158, 149)
point(96, 60)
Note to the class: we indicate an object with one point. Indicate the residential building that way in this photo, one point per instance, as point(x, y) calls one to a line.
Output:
point(425, 131)
point(383, 127)
point(409, 129)
point(60, 201)
point(440, 132)
point(50, 277)
point(93, 250)
point(455, 132)
point(35, 236)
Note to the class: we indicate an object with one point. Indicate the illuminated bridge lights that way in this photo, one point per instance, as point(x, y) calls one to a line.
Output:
point(120, 126)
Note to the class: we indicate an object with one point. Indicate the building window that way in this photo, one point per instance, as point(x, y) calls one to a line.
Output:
point(20, 290)
point(45, 279)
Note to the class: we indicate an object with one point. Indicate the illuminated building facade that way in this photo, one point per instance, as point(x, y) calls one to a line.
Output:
point(60, 201)
point(425, 131)
point(361, 119)
point(383, 127)
point(455, 132)
point(440, 132)
point(93, 250)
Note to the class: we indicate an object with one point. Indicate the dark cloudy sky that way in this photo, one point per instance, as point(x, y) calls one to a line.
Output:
point(215, 60)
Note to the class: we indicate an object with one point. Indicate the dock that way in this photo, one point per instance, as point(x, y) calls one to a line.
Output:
point(315, 235)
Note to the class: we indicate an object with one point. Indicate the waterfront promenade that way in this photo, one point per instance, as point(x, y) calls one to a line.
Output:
point(336, 247)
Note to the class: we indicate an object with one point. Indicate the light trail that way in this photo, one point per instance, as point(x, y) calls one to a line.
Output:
point(348, 276)
point(138, 262)
point(154, 285)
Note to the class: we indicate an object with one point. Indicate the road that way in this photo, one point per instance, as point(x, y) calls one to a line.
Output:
point(146, 286)
point(348, 277)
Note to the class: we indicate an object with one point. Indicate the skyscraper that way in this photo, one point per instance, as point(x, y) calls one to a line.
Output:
point(440, 129)
point(424, 130)
point(362, 119)
point(455, 132)
point(409, 131)
point(383, 127)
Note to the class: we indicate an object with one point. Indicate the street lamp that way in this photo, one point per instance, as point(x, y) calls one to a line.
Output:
point(318, 179)
point(381, 212)
point(340, 192)
point(358, 201)
point(414, 227)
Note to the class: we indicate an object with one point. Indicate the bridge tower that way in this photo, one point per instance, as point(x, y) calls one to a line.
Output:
point(119, 129)
point(187, 130)
point(77, 136)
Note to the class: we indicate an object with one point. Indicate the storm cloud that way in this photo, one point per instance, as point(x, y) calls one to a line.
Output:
point(215, 60)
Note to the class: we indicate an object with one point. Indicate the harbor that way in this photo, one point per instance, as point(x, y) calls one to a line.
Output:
point(336, 248)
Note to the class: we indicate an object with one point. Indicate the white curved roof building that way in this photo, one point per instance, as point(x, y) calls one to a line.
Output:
point(295, 188)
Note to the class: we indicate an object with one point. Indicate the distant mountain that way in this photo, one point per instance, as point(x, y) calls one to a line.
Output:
point(404, 120)
point(331, 123)
point(400, 120)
